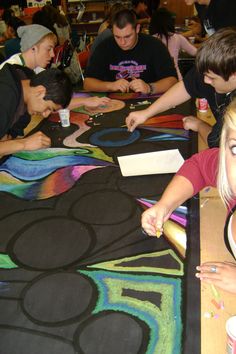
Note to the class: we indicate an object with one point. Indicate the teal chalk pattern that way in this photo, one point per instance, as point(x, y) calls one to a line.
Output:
point(164, 322)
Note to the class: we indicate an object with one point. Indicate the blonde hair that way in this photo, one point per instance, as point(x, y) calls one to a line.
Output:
point(223, 185)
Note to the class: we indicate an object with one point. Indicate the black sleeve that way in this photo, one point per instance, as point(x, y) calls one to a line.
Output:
point(97, 67)
point(8, 104)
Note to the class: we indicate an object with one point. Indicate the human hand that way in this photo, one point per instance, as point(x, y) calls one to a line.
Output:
point(134, 119)
point(224, 277)
point(152, 219)
point(138, 85)
point(94, 102)
point(121, 85)
point(191, 123)
point(36, 141)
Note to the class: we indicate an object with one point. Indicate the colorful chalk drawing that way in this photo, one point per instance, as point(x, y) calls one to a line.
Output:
point(143, 288)
point(52, 172)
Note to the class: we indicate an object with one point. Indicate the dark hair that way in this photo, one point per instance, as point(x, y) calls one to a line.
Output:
point(136, 2)
point(118, 6)
point(124, 17)
point(162, 23)
point(218, 53)
point(57, 84)
point(14, 23)
point(7, 15)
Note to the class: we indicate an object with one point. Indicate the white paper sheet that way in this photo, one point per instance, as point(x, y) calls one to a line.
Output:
point(157, 162)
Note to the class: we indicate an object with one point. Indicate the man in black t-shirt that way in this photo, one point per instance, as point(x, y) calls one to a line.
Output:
point(214, 78)
point(129, 61)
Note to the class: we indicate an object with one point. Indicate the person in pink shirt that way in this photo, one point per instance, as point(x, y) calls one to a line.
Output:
point(212, 167)
point(162, 26)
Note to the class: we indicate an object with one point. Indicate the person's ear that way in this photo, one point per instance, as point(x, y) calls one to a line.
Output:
point(138, 28)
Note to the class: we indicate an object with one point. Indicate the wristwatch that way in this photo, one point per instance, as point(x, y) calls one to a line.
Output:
point(151, 89)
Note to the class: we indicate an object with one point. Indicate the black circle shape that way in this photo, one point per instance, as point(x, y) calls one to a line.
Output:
point(50, 243)
point(144, 186)
point(103, 207)
point(28, 342)
point(111, 332)
point(58, 299)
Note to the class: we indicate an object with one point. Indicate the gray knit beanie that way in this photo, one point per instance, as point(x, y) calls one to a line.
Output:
point(31, 35)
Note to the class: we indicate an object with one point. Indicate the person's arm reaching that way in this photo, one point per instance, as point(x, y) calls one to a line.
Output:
point(32, 142)
point(176, 95)
point(197, 125)
point(178, 191)
point(91, 102)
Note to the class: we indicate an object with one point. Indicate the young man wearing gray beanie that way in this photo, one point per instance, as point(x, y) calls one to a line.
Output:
point(37, 47)
point(37, 50)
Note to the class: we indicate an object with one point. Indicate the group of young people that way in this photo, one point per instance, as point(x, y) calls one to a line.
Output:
point(130, 61)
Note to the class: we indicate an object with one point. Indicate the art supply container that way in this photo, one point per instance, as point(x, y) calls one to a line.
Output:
point(64, 117)
point(202, 105)
point(231, 335)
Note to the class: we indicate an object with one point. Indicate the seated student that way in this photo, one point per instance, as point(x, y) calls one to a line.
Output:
point(212, 167)
point(214, 78)
point(162, 26)
point(6, 16)
point(37, 51)
point(129, 61)
point(106, 31)
point(140, 8)
point(23, 92)
point(12, 45)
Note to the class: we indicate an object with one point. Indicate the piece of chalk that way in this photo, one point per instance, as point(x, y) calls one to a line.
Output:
point(215, 292)
point(158, 233)
point(213, 301)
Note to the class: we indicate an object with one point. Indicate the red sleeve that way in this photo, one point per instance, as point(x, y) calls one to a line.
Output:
point(201, 169)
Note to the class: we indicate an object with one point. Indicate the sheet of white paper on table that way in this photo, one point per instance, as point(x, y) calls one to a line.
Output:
point(157, 162)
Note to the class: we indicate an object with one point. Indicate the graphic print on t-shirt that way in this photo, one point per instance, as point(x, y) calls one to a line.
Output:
point(128, 69)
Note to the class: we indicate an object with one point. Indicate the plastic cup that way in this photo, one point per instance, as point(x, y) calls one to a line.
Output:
point(231, 335)
point(64, 117)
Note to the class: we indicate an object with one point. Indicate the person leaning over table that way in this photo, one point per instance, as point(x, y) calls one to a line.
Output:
point(37, 51)
point(211, 167)
point(24, 92)
point(214, 78)
point(129, 61)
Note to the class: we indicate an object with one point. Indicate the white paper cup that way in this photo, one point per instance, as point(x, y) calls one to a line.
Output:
point(64, 117)
point(231, 335)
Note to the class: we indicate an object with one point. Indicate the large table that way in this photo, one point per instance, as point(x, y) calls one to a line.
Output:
point(77, 273)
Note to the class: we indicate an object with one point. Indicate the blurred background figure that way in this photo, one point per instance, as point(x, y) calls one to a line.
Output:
point(162, 26)
point(140, 8)
point(105, 31)
point(215, 14)
point(6, 16)
point(12, 45)
point(55, 21)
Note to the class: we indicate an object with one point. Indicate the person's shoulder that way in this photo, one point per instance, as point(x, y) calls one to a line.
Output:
point(150, 40)
point(105, 45)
